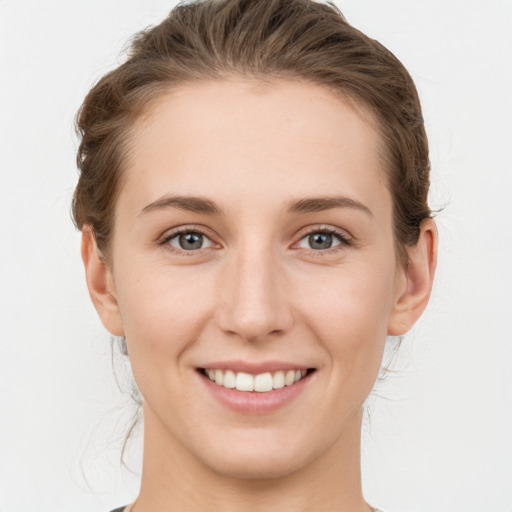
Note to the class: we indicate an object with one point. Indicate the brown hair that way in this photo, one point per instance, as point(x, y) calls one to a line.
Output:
point(261, 39)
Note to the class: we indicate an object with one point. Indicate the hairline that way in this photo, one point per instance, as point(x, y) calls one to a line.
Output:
point(155, 92)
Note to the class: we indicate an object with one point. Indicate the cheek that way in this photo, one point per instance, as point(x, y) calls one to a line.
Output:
point(350, 311)
point(162, 311)
point(163, 314)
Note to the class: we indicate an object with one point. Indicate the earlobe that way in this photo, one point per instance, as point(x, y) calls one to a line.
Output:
point(100, 284)
point(416, 281)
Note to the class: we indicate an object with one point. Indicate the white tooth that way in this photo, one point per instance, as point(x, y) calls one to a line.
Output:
point(289, 378)
point(229, 379)
point(303, 373)
point(278, 380)
point(297, 376)
point(263, 382)
point(244, 382)
point(219, 377)
point(211, 374)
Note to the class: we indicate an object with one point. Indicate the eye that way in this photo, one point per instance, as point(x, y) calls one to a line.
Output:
point(188, 240)
point(323, 239)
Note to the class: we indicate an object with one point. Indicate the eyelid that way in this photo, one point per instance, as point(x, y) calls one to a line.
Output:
point(193, 228)
point(345, 239)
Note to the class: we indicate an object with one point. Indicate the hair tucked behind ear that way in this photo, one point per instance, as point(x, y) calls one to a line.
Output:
point(264, 40)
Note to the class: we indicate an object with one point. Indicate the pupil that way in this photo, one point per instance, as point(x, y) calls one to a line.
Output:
point(190, 241)
point(320, 240)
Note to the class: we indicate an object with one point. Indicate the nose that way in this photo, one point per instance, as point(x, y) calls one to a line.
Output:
point(253, 296)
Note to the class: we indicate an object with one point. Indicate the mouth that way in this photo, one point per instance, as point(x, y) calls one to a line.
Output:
point(256, 383)
point(252, 388)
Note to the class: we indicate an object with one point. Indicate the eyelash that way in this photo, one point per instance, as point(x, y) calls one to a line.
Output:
point(345, 241)
point(180, 231)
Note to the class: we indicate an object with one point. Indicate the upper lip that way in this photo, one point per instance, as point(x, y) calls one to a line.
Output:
point(254, 367)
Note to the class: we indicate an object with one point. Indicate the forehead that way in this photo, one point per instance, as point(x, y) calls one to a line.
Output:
point(236, 138)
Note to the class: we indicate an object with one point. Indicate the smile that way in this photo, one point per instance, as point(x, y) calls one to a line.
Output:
point(261, 383)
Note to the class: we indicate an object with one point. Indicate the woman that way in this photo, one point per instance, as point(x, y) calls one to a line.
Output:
point(253, 203)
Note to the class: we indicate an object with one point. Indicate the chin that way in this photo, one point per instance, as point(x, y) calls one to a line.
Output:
point(257, 467)
point(257, 460)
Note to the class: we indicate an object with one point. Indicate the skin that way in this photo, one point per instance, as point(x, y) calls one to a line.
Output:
point(256, 291)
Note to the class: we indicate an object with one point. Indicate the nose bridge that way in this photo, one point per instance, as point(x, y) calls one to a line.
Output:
point(254, 302)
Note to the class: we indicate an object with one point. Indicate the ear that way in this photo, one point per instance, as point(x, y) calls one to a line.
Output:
point(100, 283)
point(414, 283)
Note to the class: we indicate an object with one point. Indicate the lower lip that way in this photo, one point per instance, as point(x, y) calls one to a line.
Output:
point(254, 402)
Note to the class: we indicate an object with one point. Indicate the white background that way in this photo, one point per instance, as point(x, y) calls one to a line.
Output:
point(440, 439)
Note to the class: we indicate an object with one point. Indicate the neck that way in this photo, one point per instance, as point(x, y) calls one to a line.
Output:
point(172, 477)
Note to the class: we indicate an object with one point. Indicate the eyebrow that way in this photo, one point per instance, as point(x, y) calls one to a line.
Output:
point(320, 204)
point(187, 203)
point(197, 204)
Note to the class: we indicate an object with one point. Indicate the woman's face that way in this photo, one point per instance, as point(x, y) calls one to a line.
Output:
point(253, 237)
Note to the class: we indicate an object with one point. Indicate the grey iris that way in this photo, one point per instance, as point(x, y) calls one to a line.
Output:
point(191, 241)
point(320, 240)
